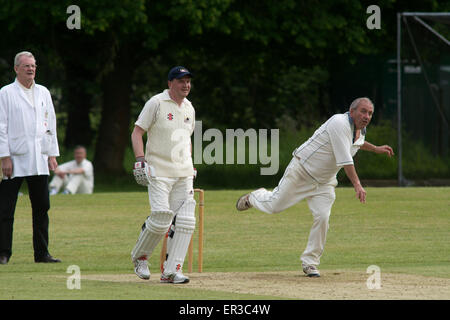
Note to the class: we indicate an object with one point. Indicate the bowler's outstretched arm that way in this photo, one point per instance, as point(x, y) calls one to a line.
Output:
point(367, 146)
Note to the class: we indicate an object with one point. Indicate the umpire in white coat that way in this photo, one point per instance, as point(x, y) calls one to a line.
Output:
point(28, 150)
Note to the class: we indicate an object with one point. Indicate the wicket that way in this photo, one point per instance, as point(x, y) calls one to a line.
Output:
point(201, 208)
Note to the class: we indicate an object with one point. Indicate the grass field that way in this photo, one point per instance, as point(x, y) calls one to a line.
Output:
point(404, 231)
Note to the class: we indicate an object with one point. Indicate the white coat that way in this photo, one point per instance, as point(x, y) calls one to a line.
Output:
point(27, 132)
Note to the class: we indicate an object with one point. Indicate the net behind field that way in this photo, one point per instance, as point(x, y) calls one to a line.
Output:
point(425, 56)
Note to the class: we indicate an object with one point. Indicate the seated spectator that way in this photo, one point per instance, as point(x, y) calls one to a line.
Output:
point(76, 176)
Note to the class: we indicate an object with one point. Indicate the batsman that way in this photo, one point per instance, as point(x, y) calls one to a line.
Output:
point(167, 170)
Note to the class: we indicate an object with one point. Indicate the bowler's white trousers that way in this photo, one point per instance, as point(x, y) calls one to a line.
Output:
point(296, 185)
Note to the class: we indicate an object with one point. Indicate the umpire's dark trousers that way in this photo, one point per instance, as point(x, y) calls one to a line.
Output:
point(40, 204)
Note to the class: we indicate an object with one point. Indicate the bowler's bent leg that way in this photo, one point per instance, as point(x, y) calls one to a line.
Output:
point(292, 188)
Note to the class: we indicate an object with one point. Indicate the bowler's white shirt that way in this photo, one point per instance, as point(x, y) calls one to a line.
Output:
point(27, 131)
point(330, 148)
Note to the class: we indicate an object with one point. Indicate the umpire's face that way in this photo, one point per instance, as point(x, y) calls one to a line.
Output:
point(26, 70)
point(362, 114)
point(180, 87)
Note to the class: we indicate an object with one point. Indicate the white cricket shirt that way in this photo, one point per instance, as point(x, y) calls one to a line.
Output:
point(330, 148)
point(169, 128)
point(86, 165)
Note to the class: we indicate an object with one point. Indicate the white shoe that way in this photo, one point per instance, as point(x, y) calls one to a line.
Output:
point(310, 270)
point(174, 277)
point(141, 269)
point(243, 203)
point(53, 191)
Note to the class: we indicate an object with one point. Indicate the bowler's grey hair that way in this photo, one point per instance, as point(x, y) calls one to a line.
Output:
point(357, 101)
point(20, 54)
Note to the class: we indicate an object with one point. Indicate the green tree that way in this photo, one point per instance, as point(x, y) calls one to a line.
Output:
point(255, 61)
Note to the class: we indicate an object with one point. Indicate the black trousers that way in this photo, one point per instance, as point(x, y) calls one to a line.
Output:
point(40, 204)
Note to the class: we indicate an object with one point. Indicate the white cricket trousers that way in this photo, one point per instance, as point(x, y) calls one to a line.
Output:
point(296, 185)
point(168, 197)
point(169, 194)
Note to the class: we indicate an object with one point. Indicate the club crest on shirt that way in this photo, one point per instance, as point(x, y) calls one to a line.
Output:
point(170, 116)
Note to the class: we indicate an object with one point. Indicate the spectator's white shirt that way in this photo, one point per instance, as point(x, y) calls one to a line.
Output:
point(330, 148)
point(85, 164)
point(27, 130)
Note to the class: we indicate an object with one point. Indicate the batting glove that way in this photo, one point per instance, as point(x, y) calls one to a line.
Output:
point(141, 173)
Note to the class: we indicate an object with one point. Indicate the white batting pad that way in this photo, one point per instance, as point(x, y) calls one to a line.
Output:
point(184, 228)
point(170, 235)
point(156, 226)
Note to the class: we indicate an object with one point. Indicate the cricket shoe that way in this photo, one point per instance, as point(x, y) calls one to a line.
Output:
point(141, 269)
point(173, 277)
point(310, 270)
point(243, 203)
